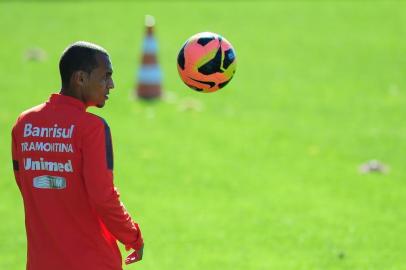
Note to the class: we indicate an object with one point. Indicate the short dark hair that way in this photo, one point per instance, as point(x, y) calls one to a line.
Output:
point(80, 55)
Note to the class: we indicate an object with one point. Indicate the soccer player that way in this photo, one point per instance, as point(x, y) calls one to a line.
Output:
point(63, 166)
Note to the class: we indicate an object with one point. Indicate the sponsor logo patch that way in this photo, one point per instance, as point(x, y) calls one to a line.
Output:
point(49, 182)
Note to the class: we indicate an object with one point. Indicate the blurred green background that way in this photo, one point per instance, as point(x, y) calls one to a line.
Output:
point(260, 175)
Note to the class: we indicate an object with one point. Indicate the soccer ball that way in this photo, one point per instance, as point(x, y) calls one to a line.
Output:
point(206, 62)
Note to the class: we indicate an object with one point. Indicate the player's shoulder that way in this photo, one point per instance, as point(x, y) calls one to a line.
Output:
point(32, 110)
point(90, 120)
point(30, 113)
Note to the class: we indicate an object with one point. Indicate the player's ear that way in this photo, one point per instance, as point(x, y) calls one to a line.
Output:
point(80, 77)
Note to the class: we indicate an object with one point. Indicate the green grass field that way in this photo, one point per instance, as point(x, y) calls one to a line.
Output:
point(265, 175)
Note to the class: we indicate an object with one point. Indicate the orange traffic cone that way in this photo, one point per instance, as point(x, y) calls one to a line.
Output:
point(149, 74)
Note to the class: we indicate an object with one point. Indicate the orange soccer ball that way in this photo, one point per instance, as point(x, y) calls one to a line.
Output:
point(206, 62)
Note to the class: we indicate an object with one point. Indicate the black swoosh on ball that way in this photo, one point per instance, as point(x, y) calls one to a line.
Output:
point(211, 84)
point(214, 65)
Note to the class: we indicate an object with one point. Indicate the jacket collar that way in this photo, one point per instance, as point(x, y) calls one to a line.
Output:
point(67, 100)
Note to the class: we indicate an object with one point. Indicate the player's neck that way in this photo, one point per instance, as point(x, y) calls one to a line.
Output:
point(70, 93)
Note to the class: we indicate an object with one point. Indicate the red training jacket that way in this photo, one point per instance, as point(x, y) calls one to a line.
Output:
point(63, 165)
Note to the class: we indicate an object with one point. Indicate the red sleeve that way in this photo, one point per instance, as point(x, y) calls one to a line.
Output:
point(97, 154)
point(14, 156)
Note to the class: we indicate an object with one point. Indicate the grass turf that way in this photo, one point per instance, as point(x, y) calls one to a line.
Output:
point(265, 175)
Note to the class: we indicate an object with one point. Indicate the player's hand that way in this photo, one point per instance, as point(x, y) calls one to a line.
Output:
point(135, 256)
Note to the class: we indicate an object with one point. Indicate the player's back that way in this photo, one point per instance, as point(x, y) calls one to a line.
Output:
point(63, 229)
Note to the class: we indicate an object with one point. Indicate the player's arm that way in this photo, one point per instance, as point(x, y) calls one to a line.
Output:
point(16, 165)
point(97, 154)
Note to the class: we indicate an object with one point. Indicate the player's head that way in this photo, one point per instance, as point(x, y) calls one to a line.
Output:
point(86, 73)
